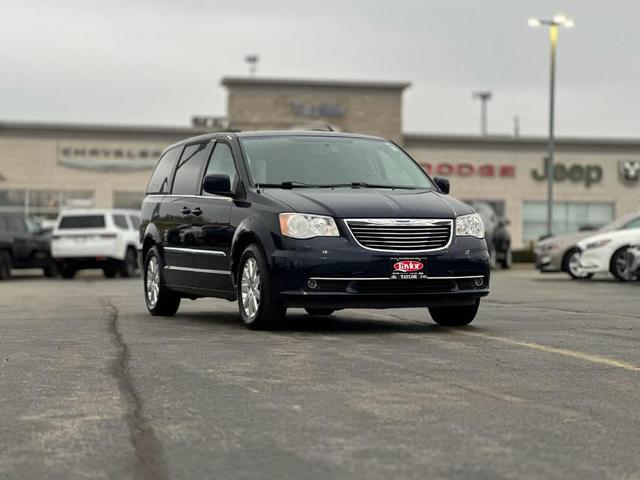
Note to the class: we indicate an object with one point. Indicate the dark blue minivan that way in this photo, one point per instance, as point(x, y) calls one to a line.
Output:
point(317, 220)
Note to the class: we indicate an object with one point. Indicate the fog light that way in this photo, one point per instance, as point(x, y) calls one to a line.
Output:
point(312, 284)
point(478, 282)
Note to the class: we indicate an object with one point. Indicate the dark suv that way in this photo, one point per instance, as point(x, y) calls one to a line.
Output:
point(317, 220)
point(23, 244)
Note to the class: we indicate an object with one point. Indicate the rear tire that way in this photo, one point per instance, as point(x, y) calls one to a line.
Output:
point(259, 309)
point(319, 311)
point(129, 264)
point(160, 301)
point(454, 316)
point(67, 272)
point(5, 266)
point(620, 266)
point(109, 271)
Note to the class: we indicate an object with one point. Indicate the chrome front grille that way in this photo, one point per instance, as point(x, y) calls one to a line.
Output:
point(401, 235)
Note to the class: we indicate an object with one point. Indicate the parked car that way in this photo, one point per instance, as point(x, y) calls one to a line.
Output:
point(105, 239)
point(608, 252)
point(561, 254)
point(317, 220)
point(24, 244)
point(497, 236)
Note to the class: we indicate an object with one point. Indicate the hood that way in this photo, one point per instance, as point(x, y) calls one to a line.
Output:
point(568, 239)
point(369, 202)
point(618, 237)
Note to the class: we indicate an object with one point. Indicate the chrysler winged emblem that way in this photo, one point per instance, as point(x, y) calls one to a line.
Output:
point(629, 170)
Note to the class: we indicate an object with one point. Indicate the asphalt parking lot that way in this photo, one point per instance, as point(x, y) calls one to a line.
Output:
point(544, 384)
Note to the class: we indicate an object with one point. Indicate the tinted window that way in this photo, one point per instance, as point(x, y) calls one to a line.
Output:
point(161, 179)
point(222, 162)
point(188, 170)
point(135, 221)
point(82, 221)
point(16, 224)
point(120, 221)
point(633, 224)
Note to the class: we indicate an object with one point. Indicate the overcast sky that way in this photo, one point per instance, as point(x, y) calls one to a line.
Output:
point(160, 62)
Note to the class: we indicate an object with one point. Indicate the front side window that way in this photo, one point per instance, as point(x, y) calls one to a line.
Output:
point(188, 169)
point(221, 163)
point(330, 161)
point(633, 224)
point(161, 179)
point(120, 221)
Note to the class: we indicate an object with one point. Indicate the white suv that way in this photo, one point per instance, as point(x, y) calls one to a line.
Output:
point(106, 239)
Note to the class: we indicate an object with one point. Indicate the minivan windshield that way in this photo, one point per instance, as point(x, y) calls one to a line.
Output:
point(319, 161)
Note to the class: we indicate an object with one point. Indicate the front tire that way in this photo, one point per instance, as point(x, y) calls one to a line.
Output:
point(259, 309)
point(571, 265)
point(160, 301)
point(454, 316)
point(5, 266)
point(507, 261)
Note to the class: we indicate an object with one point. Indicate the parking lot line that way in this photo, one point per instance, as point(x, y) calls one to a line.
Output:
point(559, 351)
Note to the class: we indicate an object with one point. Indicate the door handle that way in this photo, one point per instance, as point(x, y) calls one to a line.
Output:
point(196, 211)
point(185, 211)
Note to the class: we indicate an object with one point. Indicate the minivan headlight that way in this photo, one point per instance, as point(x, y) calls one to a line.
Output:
point(469, 226)
point(301, 225)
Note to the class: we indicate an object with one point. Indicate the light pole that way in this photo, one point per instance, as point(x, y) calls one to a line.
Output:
point(553, 24)
point(484, 98)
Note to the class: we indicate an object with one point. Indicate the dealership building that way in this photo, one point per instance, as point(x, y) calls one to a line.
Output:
point(46, 167)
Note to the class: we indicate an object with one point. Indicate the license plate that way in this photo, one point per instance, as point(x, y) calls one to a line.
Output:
point(408, 268)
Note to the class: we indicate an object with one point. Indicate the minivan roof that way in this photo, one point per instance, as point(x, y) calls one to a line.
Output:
point(272, 133)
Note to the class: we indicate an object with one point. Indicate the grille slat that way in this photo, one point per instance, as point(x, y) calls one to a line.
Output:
point(401, 235)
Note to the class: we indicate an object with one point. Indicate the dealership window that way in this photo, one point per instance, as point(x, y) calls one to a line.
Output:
point(128, 200)
point(44, 203)
point(568, 217)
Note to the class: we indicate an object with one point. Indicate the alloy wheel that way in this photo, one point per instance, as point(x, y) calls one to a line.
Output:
point(623, 266)
point(250, 288)
point(574, 265)
point(153, 281)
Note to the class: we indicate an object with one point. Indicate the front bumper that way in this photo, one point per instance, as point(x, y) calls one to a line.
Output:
point(595, 260)
point(345, 275)
point(548, 261)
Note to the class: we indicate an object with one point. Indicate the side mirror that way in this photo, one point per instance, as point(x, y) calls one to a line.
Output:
point(443, 184)
point(217, 184)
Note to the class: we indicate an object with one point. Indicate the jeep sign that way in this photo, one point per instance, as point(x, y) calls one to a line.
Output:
point(587, 174)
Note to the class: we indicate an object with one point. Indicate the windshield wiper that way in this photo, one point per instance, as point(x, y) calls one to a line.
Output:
point(368, 185)
point(289, 184)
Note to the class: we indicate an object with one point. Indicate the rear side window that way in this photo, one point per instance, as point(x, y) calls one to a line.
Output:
point(120, 221)
point(187, 179)
point(161, 179)
point(222, 163)
point(82, 221)
point(16, 224)
point(135, 221)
